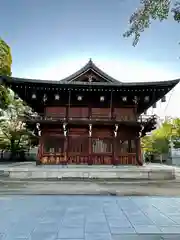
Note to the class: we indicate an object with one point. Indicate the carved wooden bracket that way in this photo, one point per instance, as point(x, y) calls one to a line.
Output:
point(65, 129)
point(140, 133)
point(116, 129)
point(90, 130)
point(38, 129)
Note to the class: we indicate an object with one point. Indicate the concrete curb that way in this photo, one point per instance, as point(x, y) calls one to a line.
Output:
point(79, 193)
point(82, 181)
point(75, 193)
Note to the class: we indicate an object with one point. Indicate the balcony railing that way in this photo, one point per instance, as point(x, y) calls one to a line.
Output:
point(140, 119)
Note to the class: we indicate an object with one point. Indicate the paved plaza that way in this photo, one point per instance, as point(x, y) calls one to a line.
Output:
point(89, 218)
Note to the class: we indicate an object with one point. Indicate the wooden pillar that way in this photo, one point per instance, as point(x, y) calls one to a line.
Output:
point(114, 150)
point(65, 143)
point(114, 161)
point(65, 150)
point(138, 158)
point(69, 105)
point(129, 152)
point(90, 145)
point(90, 111)
point(111, 106)
point(40, 148)
point(135, 112)
point(39, 155)
point(90, 151)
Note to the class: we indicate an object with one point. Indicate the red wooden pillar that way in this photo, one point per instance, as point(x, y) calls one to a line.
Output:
point(65, 150)
point(114, 147)
point(90, 145)
point(139, 152)
point(39, 154)
point(137, 145)
point(113, 151)
point(69, 105)
point(130, 160)
point(111, 106)
point(90, 151)
point(40, 150)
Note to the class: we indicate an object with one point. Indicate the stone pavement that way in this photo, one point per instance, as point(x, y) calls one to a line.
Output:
point(89, 218)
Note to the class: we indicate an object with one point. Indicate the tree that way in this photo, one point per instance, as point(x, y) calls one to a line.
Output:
point(5, 59)
point(14, 135)
point(5, 70)
point(147, 144)
point(158, 142)
point(148, 11)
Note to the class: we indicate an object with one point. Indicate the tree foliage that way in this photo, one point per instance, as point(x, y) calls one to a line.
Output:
point(148, 11)
point(158, 141)
point(5, 59)
point(5, 70)
point(14, 134)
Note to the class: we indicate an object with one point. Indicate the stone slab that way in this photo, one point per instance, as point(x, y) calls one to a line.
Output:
point(89, 218)
point(146, 173)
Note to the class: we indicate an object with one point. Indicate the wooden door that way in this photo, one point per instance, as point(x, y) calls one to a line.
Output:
point(78, 149)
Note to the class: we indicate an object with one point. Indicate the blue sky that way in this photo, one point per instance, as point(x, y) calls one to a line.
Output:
point(52, 39)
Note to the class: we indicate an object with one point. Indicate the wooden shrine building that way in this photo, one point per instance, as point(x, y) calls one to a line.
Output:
point(90, 117)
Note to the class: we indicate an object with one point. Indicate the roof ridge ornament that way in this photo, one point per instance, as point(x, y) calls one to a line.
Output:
point(90, 63)
point(90, 78)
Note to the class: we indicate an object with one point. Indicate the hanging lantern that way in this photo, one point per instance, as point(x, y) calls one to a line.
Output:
point(102, 99)
point(57, 97)
point(33, 96)
point(124, 99)
point(44, 98)
point(163, 99)
point(79, 98)
point(154, 105)
point(146, 99)
point(135, 100)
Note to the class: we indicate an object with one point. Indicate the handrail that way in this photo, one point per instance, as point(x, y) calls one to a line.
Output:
point(141, 118)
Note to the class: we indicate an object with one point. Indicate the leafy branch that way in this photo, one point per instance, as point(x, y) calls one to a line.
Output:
point(149, 11)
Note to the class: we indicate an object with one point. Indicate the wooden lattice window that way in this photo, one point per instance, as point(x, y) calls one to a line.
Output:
point(101, 145)
point(78, 145)
point(55, 112)
point(54, 144)
point(132, 146)
point(124, 145)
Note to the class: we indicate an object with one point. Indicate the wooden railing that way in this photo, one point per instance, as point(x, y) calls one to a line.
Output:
point(99, 117)
point(94, 159)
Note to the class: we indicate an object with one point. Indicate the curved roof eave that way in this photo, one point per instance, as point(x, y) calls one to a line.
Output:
point(118, 84)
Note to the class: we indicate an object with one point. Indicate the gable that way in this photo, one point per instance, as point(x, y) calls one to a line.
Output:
point(90, 77)
point(90, 73)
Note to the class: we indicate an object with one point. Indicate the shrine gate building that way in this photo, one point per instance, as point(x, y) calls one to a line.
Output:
point(90, 117)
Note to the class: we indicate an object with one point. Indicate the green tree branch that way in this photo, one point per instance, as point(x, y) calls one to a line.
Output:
point(148, 11)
